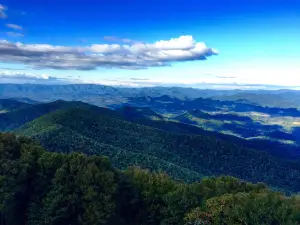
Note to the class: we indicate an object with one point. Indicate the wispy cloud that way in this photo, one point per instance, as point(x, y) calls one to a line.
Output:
point(226, 77)
point(135, 56)
point(3, 14)
point(122, 40)
point(139, 79)
point(14, 26)
point(14, 34)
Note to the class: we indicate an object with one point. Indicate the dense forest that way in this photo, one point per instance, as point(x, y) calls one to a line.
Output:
point(135, 136)
point(98, 131)
point(38, 187)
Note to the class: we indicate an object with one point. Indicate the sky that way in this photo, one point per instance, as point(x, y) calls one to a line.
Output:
point(216, 43)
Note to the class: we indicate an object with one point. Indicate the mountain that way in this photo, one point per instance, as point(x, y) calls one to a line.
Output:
point(94, 130)
point(102, 95)
point(17, 118)
point(25, 100)
point(7, 105)
point(234, 124)
point(198, 114)
point(269, 138)
point(53, 188)
point(91, 92)
point(167, 104)
point(99, 131)
point(145, 116)
point(279, 99)
point(235, 118)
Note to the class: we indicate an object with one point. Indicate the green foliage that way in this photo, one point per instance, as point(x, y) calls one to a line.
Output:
point(42, 188)
point(252, 208)
point(22, 115)
point(96, 131)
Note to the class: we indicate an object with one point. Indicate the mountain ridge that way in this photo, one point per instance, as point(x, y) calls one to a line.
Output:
point(94, 93)
point(199, 154)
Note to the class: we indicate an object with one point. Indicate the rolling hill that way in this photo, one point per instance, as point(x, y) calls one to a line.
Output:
point(167, 104)
point(22, 115)
point(279, 99)
point(136, 113)
point(187, 157)
point(8, 105)
point(237, 125)
point(146, 116)
point(234, 118)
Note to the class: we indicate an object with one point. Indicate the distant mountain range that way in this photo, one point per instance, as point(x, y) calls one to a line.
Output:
point(102, 95)
point(172, 104)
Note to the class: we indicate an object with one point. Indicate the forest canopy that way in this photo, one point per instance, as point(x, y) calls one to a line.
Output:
point(39, 187)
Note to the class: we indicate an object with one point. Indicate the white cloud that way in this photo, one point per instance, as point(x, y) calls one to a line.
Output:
point(181, 43)
point(14, 74)
point(105, 48)
point(135, 56)
point(9, 76)
point(14, 26)
point(3, 15)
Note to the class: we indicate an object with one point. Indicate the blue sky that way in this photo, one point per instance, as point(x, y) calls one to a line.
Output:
point(151, 42)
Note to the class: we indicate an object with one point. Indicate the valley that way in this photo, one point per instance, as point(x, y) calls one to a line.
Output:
point(186, 146)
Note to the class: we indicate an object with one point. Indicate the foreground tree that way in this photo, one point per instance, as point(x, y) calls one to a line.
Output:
point(43, 188)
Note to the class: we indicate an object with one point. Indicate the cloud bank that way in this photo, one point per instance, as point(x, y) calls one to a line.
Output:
point(134, 56)
point(22, 77)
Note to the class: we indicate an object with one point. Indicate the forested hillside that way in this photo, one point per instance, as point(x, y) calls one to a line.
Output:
point(185, 157)
point(7, 105)
point(145, 116)
point(39, 187)
point(133, 136)
point(22, 115)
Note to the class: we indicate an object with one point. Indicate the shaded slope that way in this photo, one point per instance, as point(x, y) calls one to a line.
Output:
point(17, 118)
point(25, 100)
point(241, 126)
point(144, 116)
point(206, 155)
point(194, 115)
point(136, 113)
point(63, 131)
point(7, 105)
